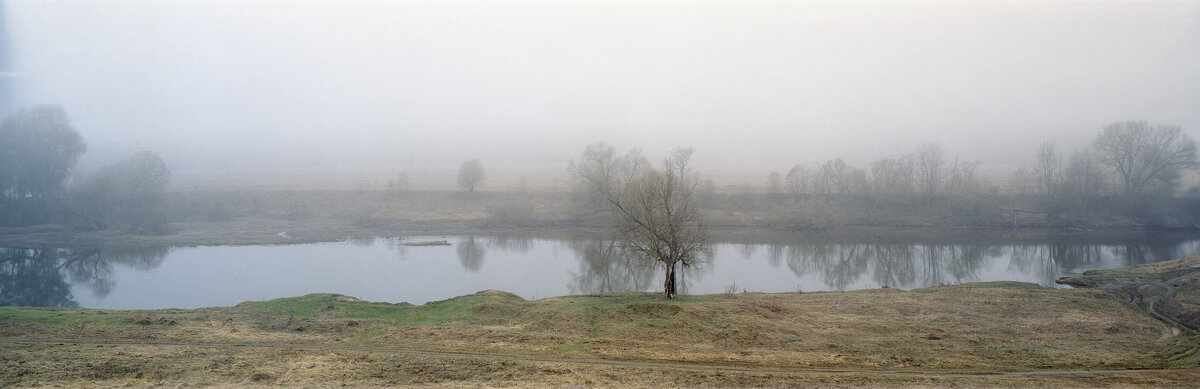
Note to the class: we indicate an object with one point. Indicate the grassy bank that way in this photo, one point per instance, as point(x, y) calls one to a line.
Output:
point(932, 336)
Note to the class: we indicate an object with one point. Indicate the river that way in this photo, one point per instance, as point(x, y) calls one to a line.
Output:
point(532, 266)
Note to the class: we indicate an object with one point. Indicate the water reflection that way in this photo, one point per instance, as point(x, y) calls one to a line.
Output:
point(602, 268)
point(841, 266)
point(30, 278)
point(43, 277)
point(362, 241)
point(536, 266)
point(470, 254)
point(512, 242)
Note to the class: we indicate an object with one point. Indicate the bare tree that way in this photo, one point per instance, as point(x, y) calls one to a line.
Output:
point(1021, 183)
point(796, 178)
point(893, 176)
point(595, 172)
point(632, 164)
point(961, 177)
point(470, 175)
point(931, 160)
point(1083, 176)
point(599, 171)
point(835, 176)
point(1142, 155)
point(1048, 169)
point(655, 216)
point(774, 184)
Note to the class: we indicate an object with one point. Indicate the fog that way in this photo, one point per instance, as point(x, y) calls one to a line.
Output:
point(341, 92)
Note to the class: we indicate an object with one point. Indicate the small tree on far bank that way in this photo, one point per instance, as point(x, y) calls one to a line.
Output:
point(470, 175)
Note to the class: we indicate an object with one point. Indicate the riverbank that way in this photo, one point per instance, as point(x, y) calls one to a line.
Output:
point(244, 217)
point(278, 231)
point(980, 334)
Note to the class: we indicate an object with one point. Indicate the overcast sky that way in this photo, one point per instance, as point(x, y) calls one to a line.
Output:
point(400, 86)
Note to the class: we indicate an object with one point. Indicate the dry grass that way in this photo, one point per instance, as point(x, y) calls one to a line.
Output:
point(139, 366)
point(882, 336)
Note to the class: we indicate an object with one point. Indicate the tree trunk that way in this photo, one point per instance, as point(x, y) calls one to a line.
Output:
point(669, 285)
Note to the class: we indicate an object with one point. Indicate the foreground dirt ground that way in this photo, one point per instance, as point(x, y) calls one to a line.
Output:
point(141, 366)
point(983, 334)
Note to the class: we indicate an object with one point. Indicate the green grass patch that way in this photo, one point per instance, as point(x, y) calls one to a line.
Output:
point(1000, 285)
point(307, 305)
point(480, 308)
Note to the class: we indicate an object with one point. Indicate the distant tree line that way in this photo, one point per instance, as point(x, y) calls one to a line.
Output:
point(1128, 175)
point(1130, 167)
point(39, 149)
point(1130, 159)
point(925, 174)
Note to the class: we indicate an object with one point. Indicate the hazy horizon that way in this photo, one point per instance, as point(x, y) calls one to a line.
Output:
point(364, 90)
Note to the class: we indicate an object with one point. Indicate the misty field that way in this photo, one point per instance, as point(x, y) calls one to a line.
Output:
point(890, 193)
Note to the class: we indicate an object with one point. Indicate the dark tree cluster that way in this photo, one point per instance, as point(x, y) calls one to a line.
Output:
point(128, 193)
point(38, 151)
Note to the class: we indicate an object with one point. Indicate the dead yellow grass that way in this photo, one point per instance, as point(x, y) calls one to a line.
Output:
point(140, 366)
point(932, 336)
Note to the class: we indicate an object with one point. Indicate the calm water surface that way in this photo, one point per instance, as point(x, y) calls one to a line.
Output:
point(533, 267)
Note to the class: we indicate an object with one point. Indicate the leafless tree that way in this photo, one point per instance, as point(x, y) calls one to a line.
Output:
point(1021, 183)
point(599, 172)
point(655, 216)
point(595, 172)
point(835, 176)
point(931, 161)
point(893, 176)
point(1083, 176)
point(1048, 169)
point(774, 184)
point(961, 178)
point(1143, 156)
point(470, 175)
point(796, 179)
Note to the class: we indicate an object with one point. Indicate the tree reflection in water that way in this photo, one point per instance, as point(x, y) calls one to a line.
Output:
point(604, 268)
point(512, 242)
point(914, 265)
point(470, 254)
point(43, 277)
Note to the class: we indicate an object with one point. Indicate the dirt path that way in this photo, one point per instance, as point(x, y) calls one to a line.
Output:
point(1170, 292)
point(594, 362)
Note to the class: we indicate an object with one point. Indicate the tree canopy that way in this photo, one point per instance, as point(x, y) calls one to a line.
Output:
point(470, 175)
point(38, 150)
